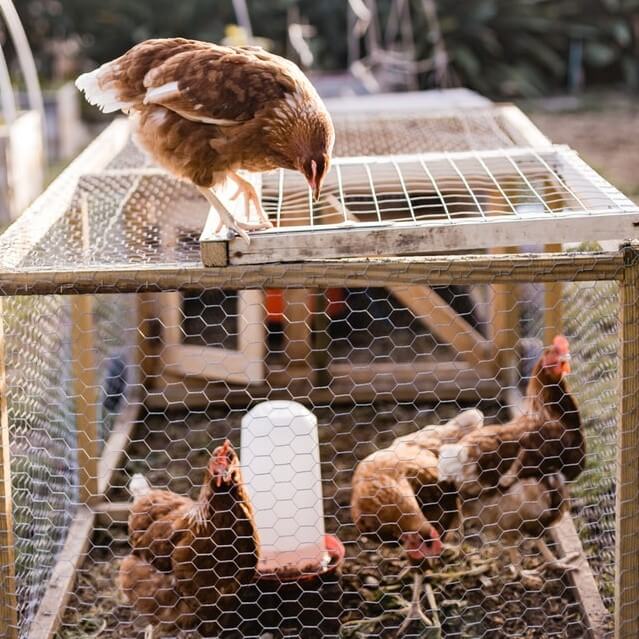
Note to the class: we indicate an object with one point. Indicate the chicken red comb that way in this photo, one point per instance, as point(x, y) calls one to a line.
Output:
point(561, 345)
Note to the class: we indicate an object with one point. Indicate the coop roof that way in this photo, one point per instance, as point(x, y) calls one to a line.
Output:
point(486, 182)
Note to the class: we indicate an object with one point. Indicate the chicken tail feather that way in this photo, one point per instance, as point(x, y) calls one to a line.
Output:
point(139, 486)
point(99, 88)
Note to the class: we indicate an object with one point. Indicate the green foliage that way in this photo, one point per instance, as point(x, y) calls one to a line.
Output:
point(522, 47)
point(499, 47)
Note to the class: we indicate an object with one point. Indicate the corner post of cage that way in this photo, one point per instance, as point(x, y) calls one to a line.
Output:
point(85, 390)
point(8, 601)
point(627, 494)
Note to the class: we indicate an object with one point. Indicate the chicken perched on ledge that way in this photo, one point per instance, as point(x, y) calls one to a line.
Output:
point(190, 558)
point(204, 111)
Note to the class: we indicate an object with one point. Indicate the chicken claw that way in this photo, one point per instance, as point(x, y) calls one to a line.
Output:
point(414, 612)
point(565, 564)
point(226, 217)
point(244, 187)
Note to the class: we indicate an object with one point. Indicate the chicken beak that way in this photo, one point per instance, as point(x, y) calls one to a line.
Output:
point(315, 181)
point(566, 369)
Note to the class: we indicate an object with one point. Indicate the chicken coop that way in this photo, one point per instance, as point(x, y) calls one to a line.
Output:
point(433, 293)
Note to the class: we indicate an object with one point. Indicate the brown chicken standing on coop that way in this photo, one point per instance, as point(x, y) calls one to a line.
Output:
point(189, 558)
point(516, 472)
point(396, 495)
point(205, 111)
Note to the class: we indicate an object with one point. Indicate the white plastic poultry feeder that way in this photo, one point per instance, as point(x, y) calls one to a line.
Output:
point(281, 465)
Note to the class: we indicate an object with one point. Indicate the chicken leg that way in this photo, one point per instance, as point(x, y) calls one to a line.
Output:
point(414, 611)
point(244, 187)
point(226, 217)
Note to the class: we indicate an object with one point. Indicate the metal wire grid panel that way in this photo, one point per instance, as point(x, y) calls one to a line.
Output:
point(372, 365)
point(112, 207)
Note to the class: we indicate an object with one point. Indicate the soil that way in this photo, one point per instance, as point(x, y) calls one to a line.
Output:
point(477, 592)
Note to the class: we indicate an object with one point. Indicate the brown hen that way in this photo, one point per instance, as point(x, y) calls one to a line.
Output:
point(546, 439)
point(190, 558)
point(205, 111)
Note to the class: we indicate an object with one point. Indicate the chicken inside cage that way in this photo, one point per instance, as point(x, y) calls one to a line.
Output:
point(354, 429)
point(442, 506)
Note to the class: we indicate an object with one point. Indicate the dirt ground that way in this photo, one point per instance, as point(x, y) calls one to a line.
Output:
point(603, 128)
point(476, 591)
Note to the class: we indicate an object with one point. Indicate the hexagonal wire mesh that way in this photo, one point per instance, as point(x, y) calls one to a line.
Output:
point(377, 374)
point(108, 395)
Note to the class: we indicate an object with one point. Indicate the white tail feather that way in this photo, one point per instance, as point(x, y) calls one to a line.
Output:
point(139, 486)
point(99, 92)
point(452, 461)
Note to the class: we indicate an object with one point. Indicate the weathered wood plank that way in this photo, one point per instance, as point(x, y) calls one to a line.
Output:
point(320, 273)
point(445, 324)
point(521, 128)
point(8, 604)
point(49, 615)
point(390, 240)
point(595, 614)
point(85, 388)
point(627, 484)
point(553, 309)
point(115, 447)
point(348, 383)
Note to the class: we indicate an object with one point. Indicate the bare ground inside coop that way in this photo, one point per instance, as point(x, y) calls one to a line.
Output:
point(477, 593)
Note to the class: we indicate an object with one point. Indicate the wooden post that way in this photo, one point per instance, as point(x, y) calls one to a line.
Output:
point(86, 394)
point(147, 357)
point(553, 292)
point(321, 322)
point(8, 604)
point(297, 327)
point(627, 499)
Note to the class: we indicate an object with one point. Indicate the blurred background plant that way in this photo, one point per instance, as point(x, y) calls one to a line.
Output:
point(499, 47)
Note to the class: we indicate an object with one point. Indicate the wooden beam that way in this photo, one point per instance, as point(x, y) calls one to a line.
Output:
point(595, 615)
point(427, 306)
point(56, 596)
point(444, 323)
point(8, 603)
point(421, 238)
point(85, 388)
point(116, 445)
point(147, 323)
point(521, 128)
point(627, 492)
point(553, 308)
point(348, 383)
point(297, 326)
point(321, 273)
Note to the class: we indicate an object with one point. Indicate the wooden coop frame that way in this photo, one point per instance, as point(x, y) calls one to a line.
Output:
point(297, 270)
point(506, 269)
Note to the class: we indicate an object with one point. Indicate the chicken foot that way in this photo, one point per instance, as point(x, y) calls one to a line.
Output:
point(244, 187)
point(564, 564)
point(226, 217)
point(414, 611)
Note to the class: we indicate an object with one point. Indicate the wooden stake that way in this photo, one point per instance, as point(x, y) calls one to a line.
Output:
point(553, 292)
point(627, 496)
point(297, 326)
point(86, 394)
point(8, 604)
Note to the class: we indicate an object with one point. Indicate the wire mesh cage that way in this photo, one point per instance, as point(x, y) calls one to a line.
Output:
point(324, 448)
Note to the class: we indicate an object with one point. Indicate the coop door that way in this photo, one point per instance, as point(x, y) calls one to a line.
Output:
point(216, 335)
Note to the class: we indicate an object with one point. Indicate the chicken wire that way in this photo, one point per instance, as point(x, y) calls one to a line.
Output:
point(373, 358)
point(324, 358)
